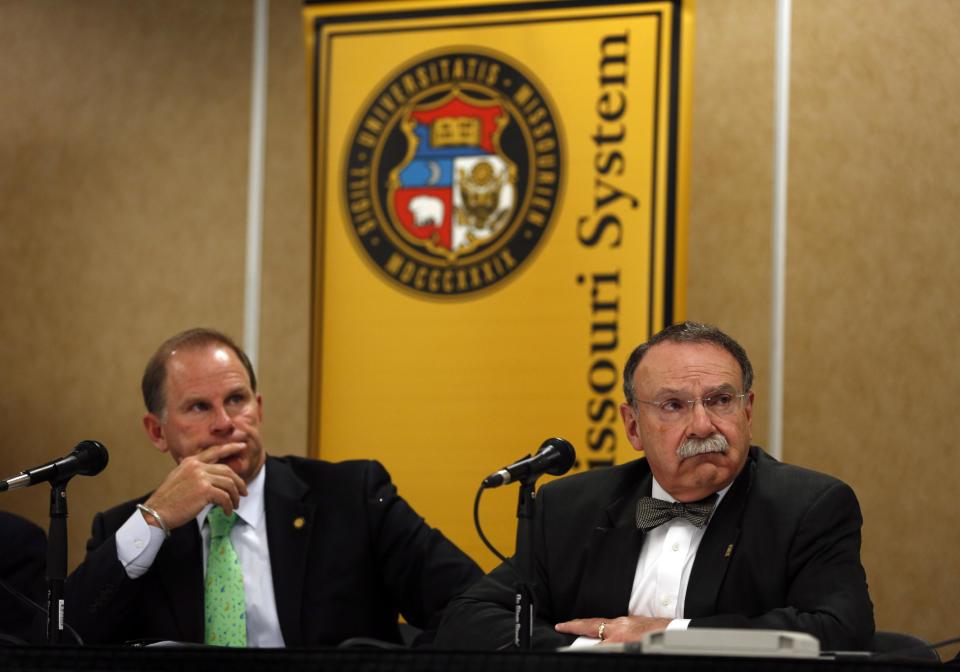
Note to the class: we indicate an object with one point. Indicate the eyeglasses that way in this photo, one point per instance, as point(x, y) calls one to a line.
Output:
point(719, 404)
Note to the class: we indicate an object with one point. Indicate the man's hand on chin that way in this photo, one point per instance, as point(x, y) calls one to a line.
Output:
point(620, 629)
point(198, 480)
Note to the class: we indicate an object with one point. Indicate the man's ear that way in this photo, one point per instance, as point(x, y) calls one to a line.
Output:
point(631, 425)
point(154, 429)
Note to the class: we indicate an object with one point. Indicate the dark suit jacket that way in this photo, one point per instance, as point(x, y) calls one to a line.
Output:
point(360, 557)
point(782, 551)
point(23, 563)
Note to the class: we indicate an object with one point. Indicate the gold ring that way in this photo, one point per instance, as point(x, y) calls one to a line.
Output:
point(603, 626)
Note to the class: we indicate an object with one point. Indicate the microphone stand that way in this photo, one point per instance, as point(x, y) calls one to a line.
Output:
point(56, 561)
point(524, 607)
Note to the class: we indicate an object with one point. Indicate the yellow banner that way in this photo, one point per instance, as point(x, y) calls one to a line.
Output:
point(500, 217)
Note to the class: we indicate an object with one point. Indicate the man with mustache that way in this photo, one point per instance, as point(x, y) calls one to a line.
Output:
point(704, 531)
point(238, 548)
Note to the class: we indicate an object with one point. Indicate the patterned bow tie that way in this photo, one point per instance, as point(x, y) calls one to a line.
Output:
point(653, 513)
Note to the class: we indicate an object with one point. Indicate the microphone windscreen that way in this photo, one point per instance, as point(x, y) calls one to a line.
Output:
point(92, 457)
point(565, 455)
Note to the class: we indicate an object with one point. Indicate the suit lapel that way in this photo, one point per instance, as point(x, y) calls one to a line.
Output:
point(180, 565)
point(718, 546)
point(612, 554)
point(289, 522)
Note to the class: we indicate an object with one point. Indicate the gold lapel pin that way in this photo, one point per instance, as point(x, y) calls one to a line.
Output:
point(729, 551)
point(299, 522)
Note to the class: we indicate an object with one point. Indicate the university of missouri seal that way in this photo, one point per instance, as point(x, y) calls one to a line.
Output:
point(453, 172)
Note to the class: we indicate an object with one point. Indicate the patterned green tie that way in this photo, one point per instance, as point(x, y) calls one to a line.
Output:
point(225, 608)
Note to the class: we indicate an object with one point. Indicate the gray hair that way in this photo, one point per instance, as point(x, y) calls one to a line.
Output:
point(686, 332)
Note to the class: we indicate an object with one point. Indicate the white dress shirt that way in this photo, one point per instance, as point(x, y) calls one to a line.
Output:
point(663, 569)
point(138, 544)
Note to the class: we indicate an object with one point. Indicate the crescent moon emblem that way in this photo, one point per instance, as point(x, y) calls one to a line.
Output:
point(435, 173)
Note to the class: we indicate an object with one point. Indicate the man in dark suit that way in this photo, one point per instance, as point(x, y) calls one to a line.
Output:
point(22, 568)
point(732, 538)
point(328, 551)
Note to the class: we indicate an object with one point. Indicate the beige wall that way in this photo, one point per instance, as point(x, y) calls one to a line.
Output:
point(123, 180)
point(123, 167)
point(872, 373)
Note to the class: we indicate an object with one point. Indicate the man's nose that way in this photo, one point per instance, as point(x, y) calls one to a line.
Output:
point(222, 421)
point(701, 424)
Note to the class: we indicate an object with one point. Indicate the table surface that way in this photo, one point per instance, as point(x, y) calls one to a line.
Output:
point(188, 659)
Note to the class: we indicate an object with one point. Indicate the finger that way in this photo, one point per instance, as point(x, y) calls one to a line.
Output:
point(222, 471)
point(229, 486)
point(584, 627)
point(213, 454)
point(240, 483)
point(223, 474)
point(222, 499)
point(632, 628)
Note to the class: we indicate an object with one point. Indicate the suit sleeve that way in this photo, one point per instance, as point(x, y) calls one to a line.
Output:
point(483, 618)
point(99, 596)
point(826, 583)
point(22, 568)
point(422, 569)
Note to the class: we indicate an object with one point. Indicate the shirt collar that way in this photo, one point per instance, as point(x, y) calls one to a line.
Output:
point(250, 510)
point(658, 492)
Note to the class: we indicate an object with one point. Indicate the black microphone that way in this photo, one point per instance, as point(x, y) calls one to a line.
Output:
point(88, 459)
point(554, 457)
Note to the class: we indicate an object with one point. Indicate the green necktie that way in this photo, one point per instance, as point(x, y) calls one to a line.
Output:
point(225, 608)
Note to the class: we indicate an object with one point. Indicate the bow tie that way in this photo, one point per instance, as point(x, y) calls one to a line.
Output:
point(653, 513)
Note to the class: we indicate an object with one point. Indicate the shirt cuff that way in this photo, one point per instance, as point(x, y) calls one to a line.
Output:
point(137, 545)
point(584, 642)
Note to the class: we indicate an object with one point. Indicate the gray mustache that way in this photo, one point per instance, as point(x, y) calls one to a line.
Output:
point(716, 443)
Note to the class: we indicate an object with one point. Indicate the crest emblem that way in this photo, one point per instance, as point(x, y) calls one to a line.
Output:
point(458, 189)
point(453, 173)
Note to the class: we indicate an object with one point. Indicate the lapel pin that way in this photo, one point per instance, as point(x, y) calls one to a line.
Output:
point(299, 522)
point(729, 551)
